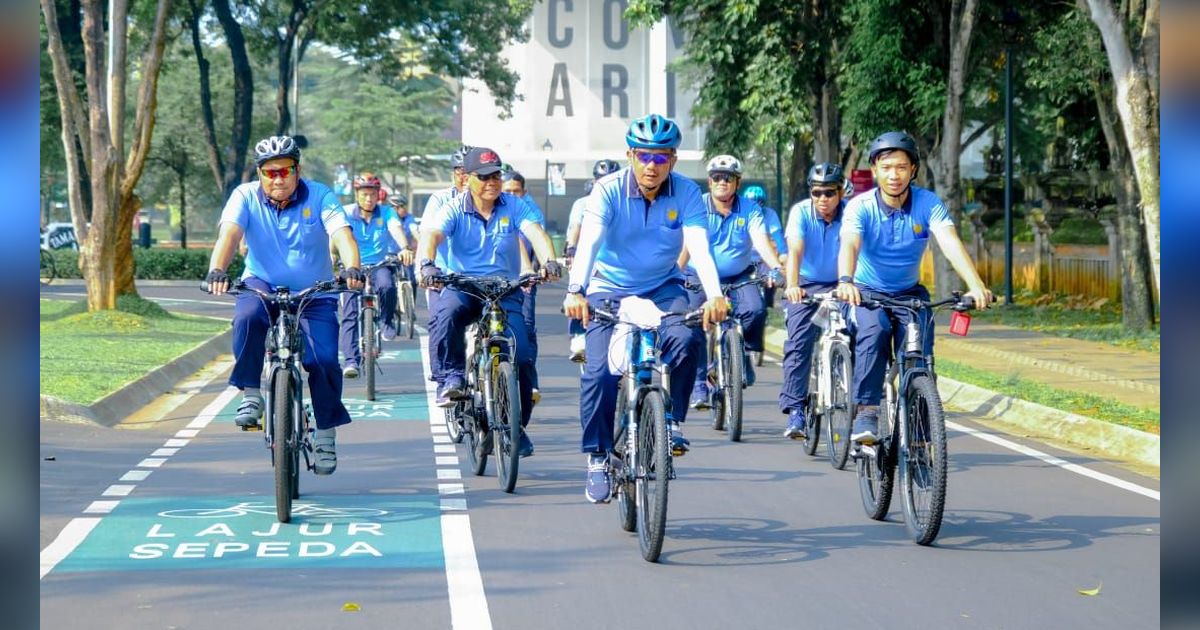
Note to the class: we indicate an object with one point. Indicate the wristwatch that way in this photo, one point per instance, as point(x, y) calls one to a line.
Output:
point(846, 280)
point(575, 289)
point(424, 262)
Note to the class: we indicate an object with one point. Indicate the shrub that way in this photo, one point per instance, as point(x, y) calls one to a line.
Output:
point(154, 264)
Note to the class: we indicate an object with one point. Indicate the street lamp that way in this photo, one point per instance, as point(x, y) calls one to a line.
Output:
point(547, 149)
point(1011, 26)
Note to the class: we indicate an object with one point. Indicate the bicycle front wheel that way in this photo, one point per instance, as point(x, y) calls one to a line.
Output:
point(812, 409)
point(841, 412)
point(653, 474)
point(410, 310)
point(733, 354)
point(876, 466)
point(453, 425)
point(368, 342)
point(506, 424)
point(923, 461)
point(624, 490)
point(283, 443)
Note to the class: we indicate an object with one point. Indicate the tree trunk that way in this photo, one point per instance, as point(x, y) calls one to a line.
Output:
point(182, 211)
point(233, 160)
point(801, 149)
point(827, 132)
point(1138, 111)
point(123, 268)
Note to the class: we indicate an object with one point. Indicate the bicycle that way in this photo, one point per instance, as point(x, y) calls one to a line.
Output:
point(288, 423)
point(406, 303)
point(370, 334)
point(641, 464)
point(48, 271)
point(488, 417)
point(829, 398)
point(912, 427)
point(726, 373)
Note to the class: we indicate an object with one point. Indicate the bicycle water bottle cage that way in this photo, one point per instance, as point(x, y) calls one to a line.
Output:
point(912, 333)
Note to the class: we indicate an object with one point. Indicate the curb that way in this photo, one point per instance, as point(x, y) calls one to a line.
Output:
point(113, 408)
point(1108, 439)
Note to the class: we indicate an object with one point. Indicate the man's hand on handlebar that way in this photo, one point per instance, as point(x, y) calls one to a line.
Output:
point(216, 282)
point(575, 306)
point(774, 277)
point(848, 293)
point(794, 294)
point(983, 297)
point(406, 256)
point(353, 277)
point(552, 270)
point(428, 273)
point(715, 310)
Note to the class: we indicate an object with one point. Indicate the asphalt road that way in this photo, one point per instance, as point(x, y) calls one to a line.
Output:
point(170, 525)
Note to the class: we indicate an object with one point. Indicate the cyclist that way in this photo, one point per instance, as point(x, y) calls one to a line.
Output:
point(735, 227)
point(480, 229)
point(813, 234)
point(775, 231)
point(514, 184)
point(288, 223)
point(599, 170)
point(399, 204)
point(458, 184)
point(636, 223)
point(885, 232)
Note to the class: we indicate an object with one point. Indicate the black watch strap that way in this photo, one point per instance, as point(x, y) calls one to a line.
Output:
point(846, 279)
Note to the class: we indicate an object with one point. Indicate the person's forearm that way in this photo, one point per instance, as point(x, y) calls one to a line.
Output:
point(795, 255)
point(396, 229)
point(543, 247)
point(696, 242)
point(765, 248)
point(572, 235)
point(848, 256)
point(228, 239)
point(585, 253)
point(347, 247)
point(428, 244)
point(956, 253)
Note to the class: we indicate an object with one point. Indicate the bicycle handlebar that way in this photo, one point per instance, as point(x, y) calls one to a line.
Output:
point(487, 287)
point(726, 289)
point(692, 318)
point(957, 301)
point(283, 294)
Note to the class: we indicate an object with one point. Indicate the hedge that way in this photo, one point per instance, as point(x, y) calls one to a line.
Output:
point(153, 264)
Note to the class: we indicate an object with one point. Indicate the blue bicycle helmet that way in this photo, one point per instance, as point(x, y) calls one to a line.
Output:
point(274, 147)
point(755, 193)
point(653, 132)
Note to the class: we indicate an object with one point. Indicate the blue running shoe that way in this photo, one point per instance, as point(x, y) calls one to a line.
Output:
point(796, 425)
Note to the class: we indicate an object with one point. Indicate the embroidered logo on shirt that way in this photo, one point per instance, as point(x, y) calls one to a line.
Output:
point(307, 212)
point(741, 222)
point(672, 215)
point(378, 221)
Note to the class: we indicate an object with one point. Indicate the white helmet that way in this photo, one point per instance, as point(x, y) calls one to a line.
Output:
point(725, 164)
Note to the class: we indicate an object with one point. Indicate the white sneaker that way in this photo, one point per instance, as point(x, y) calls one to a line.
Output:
point(578, 349)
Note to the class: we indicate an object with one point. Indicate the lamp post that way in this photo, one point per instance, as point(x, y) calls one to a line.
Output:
point(1011, 25)
point(547, 149)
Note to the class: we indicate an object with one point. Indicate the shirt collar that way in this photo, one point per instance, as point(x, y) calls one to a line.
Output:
point(888, 211)
point(633, 191)
point(469, 203)
point(301, 190)
point(712, 205)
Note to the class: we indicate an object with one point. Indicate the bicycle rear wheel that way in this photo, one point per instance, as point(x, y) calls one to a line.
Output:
point(876, 467)
point(410, 309)
point(812, 409)
point(623, 489)
point(282, 446)
point(841, 412)
point(653, 473)
point(733, 353)
point(475, 438)
point(923, 463)
point(506, 424)
point(453, 426)
point(368, 341)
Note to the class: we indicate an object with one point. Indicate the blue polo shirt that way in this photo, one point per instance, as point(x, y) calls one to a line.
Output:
point(822, 241)
point(480, 247)
point(430, 218)
point(289, 246)
point(729, 236)
point(893, 240)
point(374, 241)
point(641, 242)
point(774, 230)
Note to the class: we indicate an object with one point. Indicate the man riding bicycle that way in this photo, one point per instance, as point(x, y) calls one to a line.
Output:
point(735, 227)
point(813, 235)
point(375, 227)
point(574, 328)
point(399, 205)
point(885, 233)
point(433, 207)
point(480, 230)
point(288, 224)
point(775, 231)
point(636, 223)
point(514, 184)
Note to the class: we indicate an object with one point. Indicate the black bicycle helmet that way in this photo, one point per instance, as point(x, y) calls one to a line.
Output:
point(604, 167)
point(826, 173)
point(274, 147)
point(892, 141)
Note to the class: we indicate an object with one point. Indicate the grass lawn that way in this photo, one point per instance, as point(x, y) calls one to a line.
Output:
point(1071, 317)
point(85, 356)
point(1088, 405)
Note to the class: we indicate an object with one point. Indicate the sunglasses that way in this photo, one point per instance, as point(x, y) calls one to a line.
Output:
point(279, 173)
point(488, 178)
point(721, 177)
point(823, 192)
point(646, 157)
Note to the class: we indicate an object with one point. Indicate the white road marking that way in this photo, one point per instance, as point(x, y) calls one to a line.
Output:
point(101, 507)
point(175, 443)
point(66, 542)
point(152, 462)
point(443, 460)
point(136, 475)
point(187, 433)
point(164, 452)
point(118, 490)
point(444, 448)
point(449, 473)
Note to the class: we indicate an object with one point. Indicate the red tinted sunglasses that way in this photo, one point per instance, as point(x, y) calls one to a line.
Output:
point(279, 173)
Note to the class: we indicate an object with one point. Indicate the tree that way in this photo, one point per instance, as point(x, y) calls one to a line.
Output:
point(93, 134)
point(1134, 64)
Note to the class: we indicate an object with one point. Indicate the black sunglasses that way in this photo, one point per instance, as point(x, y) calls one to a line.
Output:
point(489, 177)
point(721, 177)
point(823, 192)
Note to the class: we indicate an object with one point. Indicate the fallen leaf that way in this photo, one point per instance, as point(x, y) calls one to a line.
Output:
point(1091, 592)
point(354, 607)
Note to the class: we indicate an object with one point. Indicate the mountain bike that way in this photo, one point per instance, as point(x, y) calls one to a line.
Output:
point(370, 333)
point(726, 372)
point(912, 426)
point(288, 422)
point(829, 399)
point(488, 417)
point(641, 464)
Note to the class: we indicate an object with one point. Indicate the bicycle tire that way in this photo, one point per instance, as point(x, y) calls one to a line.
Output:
point(48, 271)
point(410, 310)
point(281, 455)
point(812, 409)
point(474, 438)
point(734, 355)
point(876, 473)
point(506, 425)
point(653, 467)
point(298, 407)
point(453, 428)
point(624, 491)
point(923, 463)
point(368, 341)
point(840, 415)
point(717, 409)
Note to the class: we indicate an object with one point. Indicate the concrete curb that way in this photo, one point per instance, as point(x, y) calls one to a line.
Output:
point(113, 408)
point(1105, 438)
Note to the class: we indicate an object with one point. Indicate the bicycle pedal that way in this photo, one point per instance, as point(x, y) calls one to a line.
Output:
point(251, 427)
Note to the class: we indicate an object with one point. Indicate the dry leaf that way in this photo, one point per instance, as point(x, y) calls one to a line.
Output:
point(1091, 592)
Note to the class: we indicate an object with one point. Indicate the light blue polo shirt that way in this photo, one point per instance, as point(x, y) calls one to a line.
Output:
point(640, 244)
point(374, 241)
point(893, 241)
point(430, 218)
point(479, 247)
point(288, 247)
point(822, 241)
point(729, 237)
point(774, 230)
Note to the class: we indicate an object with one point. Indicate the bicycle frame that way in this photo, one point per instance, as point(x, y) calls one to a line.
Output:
point(834, 332)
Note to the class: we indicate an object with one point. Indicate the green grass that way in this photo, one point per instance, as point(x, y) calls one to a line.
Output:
point(1076, 318)
point(1088, 405)
point(86, 356)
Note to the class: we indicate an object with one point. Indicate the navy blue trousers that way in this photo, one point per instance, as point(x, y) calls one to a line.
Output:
point(385, 291)
point(878, 334)
point(802, 334)
point(529, 315)
point(431, 299)
point(748, 308)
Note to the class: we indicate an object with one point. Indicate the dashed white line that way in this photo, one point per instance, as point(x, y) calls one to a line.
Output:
point(446, 460)
point(118, 490)
point(187, 433)
point(100, 507)
point(136, 475)
point(175, 443)
point(444, 448)
point(449, 473)
point(152, 462)
point(451, 488)
point(164, 452)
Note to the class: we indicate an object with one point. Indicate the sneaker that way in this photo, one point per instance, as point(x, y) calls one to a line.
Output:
point(525, 449)
point(388, 333)
point(449, 391)
point(536, 396)
point(679, 444)
point(700, 400)
point(748, 375)
point(249, 413)
point(866, 427)
point(350, 371)
point(578, 353)
point(599, 484)
point(796, 425)
point(325, 451)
